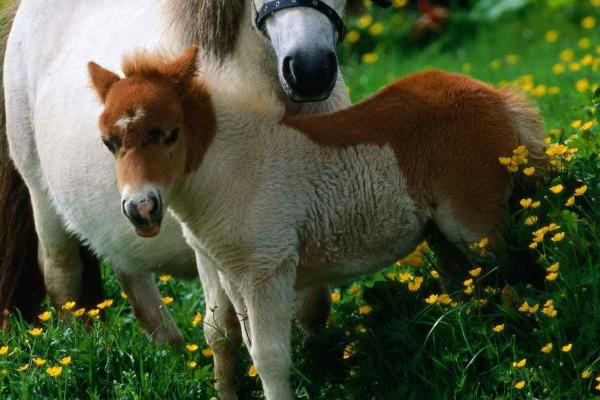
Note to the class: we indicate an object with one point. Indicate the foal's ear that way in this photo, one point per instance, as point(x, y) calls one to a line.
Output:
point(185, 67)
point(102, 79)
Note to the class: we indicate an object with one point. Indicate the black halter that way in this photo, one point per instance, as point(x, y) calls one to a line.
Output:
point(272, 7)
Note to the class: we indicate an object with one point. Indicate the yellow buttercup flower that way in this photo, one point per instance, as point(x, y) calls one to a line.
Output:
point(252, 371)
point(165, 278)
point(191, 347)
point(65, 360)
point(475, 272)
point(498, 328)
point(526, 203)
point(365, 309)
point(558, 237)
point(547, 348)
point(39, 361)
point(582, 85)
point(575, 125)
point(520, 385)
point(79, 313)
point(549, 310)
point(520, 363)
point(93, 312)
point(558, 69)
point(35, 331)
point(370, 58)
point(551, 36)
point(529, 171)
point(584, 43)
point(415, 285)
point(444, 299)
point(554, 267)
point(3, 350)
point(567, 55)
point(45, 316)
point(432, 299)
point(376, 29)
point(567, 348)
point(570, 201)
point(587, 374)
point(352, 37)
point(557, 189)
point(207, 352)
point(581, 190)
point(552, 276)
point(69, 305)
point(588, 22)
point(524, 307)
point(23, 368)
point(124, 296)
point(354, 290)
point(434, 274)
point(105, 304)
point(197, 319)
point(531, 220)
point(587, 126)
point(167, 300)
point(54, 372)
point(192, 364)
point(533, 309)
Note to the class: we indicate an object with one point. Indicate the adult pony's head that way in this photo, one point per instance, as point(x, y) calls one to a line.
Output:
point(304, 41)
point(145, 125)
point(301, 38)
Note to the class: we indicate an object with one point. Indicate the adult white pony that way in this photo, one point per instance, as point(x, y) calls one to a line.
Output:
point(51, 130)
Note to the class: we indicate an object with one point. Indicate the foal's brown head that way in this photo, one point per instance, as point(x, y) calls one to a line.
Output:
point(145, 124)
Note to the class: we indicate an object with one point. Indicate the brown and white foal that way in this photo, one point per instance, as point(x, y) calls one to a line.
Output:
point(277, 205)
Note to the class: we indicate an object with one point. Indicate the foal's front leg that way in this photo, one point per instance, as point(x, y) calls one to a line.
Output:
point(269, 302)
point(221, 328)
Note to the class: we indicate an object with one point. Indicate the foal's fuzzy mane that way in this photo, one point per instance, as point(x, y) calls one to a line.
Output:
point(148, 64)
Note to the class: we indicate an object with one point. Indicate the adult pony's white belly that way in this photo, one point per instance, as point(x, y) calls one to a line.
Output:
point(57, 39)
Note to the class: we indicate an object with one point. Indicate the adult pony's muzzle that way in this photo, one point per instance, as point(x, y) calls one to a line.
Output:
point(145, 213)
point(309, 75)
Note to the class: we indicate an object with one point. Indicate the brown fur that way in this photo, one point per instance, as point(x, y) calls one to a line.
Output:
point(21, 281)
point(170, 98)
point(447, 131)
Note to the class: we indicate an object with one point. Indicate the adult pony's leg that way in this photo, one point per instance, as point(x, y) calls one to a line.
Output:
point(148, 306)
point(312, 308)
point(221, 328)
point(269, 301)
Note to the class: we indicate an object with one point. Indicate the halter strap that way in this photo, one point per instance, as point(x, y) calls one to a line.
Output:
point(277, 5)
point(382, 3)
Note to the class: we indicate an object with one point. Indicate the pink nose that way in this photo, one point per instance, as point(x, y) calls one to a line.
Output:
point(145, 208)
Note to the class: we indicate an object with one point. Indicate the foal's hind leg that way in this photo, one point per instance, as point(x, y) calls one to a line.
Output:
point(148, 306)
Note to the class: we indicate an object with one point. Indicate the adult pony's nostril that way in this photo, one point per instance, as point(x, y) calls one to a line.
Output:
point(310, 74)
point(288, 70)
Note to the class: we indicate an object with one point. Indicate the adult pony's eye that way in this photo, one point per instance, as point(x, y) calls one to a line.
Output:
point(172, 137)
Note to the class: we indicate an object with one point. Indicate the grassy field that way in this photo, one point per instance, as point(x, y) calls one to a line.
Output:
point(524, 327)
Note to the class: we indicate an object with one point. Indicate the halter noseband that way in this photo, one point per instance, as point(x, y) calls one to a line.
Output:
point(272, 7)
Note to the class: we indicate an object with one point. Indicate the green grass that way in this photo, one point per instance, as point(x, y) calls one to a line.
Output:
point(399, 347)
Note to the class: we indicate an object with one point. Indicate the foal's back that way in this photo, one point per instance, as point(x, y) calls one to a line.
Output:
point(447, 132)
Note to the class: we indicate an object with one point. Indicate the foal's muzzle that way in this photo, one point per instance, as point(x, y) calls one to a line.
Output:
point(309, 75)
point(145, 213)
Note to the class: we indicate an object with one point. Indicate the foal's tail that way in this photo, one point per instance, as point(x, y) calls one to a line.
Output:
point(21, 281)
point(529, 126)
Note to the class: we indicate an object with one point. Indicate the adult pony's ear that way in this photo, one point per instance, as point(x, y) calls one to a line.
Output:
point(185, 67)
point(102, 79)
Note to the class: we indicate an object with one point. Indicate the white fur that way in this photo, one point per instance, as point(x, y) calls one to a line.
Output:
point(303, 215)
point(54, 139)
point(127, 120)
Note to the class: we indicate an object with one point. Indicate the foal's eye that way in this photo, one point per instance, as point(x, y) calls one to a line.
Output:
point(172, 137)
point(154, 134)
point(109, 145)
